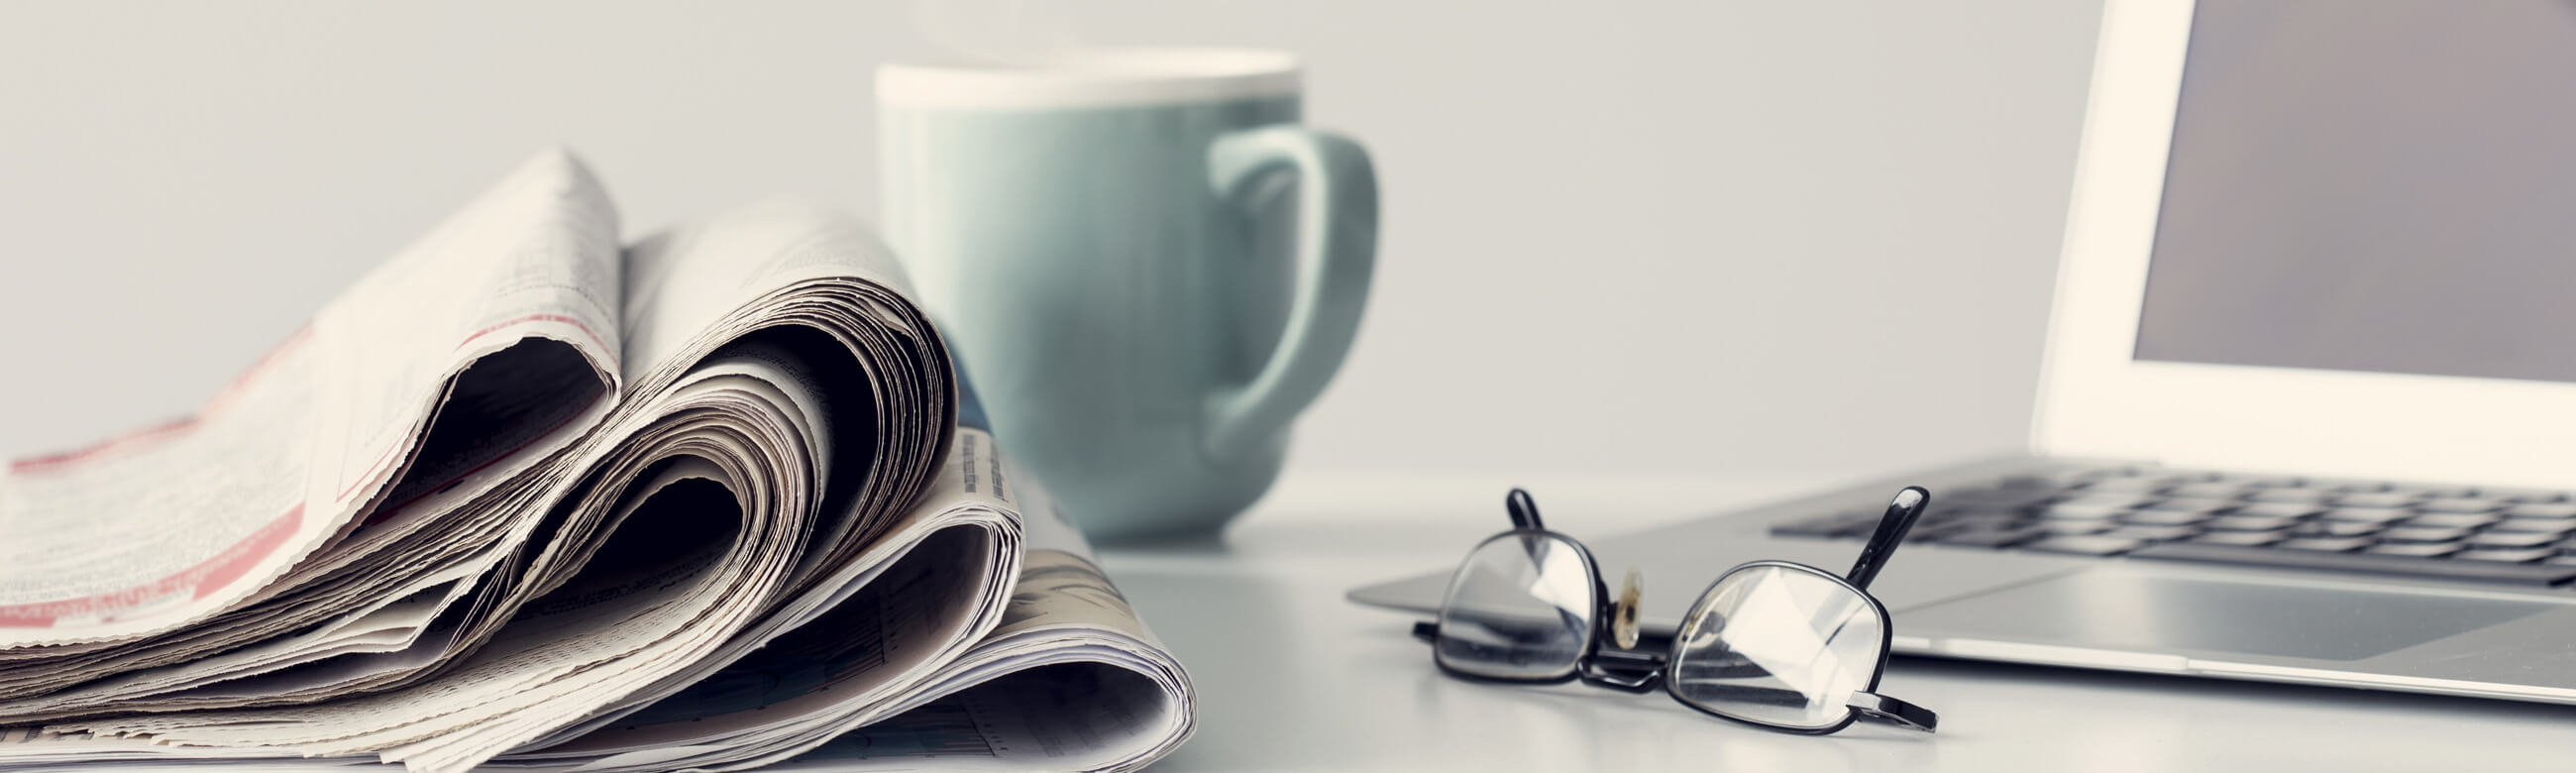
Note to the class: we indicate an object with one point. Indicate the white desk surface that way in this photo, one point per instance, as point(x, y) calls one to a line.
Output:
point(1292, 677)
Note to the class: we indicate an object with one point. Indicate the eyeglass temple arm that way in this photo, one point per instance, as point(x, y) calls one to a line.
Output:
point(1524, 510)
point(1901, 512)
point(1892, 711)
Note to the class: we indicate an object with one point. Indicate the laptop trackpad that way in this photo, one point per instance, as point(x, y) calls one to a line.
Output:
point(2119, 610)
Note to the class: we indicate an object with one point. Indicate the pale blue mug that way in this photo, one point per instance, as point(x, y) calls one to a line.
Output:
point(1093, 235)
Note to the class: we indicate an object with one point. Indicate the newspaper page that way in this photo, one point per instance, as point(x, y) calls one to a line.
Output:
point(175, 523)
point(1071, 679)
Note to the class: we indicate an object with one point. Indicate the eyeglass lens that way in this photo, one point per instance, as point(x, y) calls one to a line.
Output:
point(1519, 608)
point(1778, 645)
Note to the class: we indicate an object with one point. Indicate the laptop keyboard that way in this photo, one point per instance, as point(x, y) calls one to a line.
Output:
point(2518, 537)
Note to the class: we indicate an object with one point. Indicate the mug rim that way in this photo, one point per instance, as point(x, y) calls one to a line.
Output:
point(1093, 78)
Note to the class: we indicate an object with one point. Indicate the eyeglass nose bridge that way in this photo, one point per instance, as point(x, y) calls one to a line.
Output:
point(1624, 670)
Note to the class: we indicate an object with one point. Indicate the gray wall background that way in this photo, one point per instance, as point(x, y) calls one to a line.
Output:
point(1640, 243)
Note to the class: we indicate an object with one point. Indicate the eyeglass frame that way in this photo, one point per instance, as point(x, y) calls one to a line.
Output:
point(1902, 511)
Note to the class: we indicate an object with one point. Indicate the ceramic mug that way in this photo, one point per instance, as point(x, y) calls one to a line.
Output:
point(1107, 241)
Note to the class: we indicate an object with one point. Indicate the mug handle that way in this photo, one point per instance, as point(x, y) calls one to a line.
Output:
point(1336, 253)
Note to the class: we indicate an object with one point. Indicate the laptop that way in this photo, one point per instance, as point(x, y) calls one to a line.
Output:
point(2308, 410)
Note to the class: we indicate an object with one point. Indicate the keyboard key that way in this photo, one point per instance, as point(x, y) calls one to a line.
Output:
point(2297, 495)
point(2084, 545)
point(2542, 510)
point(2422, 534)
point(2434, 492)
point(2370, 563)
point(2281, 509)
point(2088, 475)
point(2543, 525)
point(1996, 499)
point(2324, 544)
point(2063, 526)
point(2371, 514)
point(2375, 500)
point(2163, 517)
point(1992, 538)
point(2334, 529)
point(2509, 556)
point(2452, 520)
point(2207, 490)
point(2416, 549)
point(2245, 538)
point(1828, 527)
point(2058, 480)
point(2521, 494)
point(1988, 523)
point(2193, 505)
point(1942, 514)
point(2512, 539)
point(2157, 476)
point(2247, 523)
point(2031, 481)
point(2460, 505)
point(2139, 485)
point(2104, 502)
point(2263, 481)
point(2151, 533)
point(2074, 513)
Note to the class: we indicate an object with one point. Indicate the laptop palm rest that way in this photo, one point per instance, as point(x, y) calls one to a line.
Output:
point(2139, 612)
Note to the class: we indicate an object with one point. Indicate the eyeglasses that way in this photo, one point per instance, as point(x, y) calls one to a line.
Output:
point(1775, 644)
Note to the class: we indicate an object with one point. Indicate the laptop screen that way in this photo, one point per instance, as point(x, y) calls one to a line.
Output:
point(2372, 185)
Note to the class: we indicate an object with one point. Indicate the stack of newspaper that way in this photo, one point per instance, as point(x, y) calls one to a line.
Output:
point(524, 500)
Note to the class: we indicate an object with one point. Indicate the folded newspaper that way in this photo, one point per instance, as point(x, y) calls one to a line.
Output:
point(524, 500)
